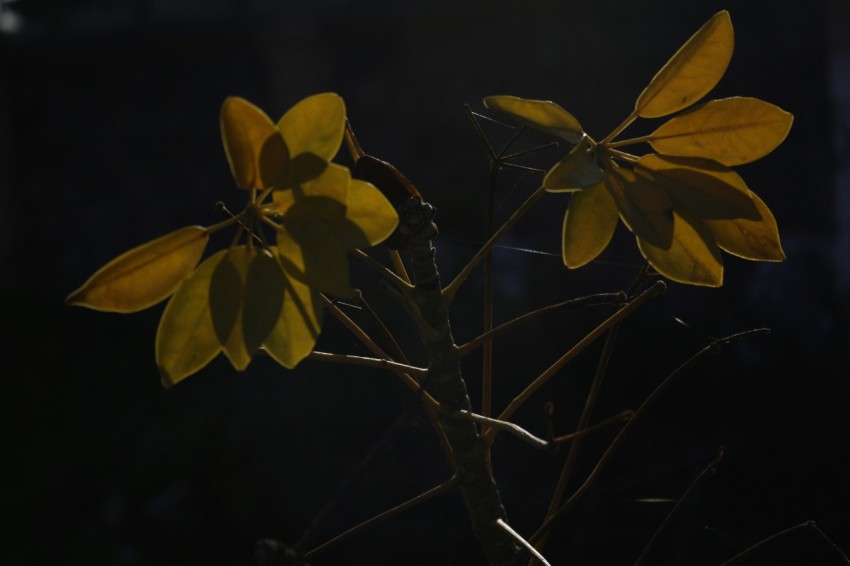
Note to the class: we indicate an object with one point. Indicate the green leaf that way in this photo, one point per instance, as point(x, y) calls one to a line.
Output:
point(185, 339)
point(579, 169)
point(310, 251)
point(145, 275)
point(692, 257)
point(750, 239)
point(588, 225)
point(542, 115)
point(265, 286)
point(703, 187)
point(255, 151)
point(645, 207)
point(693, 71)
point(227, 286)
point(731, 131)
point(325, 196)
point(315, 126)
point(295, 333)
point(369, 218)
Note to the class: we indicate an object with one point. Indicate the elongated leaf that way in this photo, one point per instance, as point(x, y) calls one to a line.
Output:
point(369, 218)
point(298, 327)
point(588, 225)
point(692, 257)
point(693, 71)
point(145, 275)
point(264, 291)
point(704, 187)
point(542, 115)
point(644, 206)
point(310, 251)
point(315, 126)
point(255, 151)
point(731, 131)
point(227, 291)
point(579, 169)
point(750, 239)
point(185, 339)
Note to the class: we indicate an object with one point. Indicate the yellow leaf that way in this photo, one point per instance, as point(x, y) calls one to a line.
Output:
point(645, 207)
point(227, 291)
point(369, 219)
point(731, 131)
point(579, 169)
point(326, 196)
point(310, 251)
point(298, 326)
point(692, 257)
point(750, 239)
point(693, 71)
point(145, 275)
point(542, 115)
point(588, 225)
point(264, 290)
point(255, 151)
point(314, 126)
point(185, 339)
point(703, 187)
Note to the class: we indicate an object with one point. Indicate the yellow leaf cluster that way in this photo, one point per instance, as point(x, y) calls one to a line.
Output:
point(255, 296)
point(683, 203)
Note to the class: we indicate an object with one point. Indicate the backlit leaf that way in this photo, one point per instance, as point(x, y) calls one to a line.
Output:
point(692, 257)
point(731, 131)
point(298, 326)
point(264, 291)
point(145, 275)
point(315, 125)
point(693, 71)
point(577, 170)
point(704, 187)
point(332, 186)
point(750, 239)
point(227, 287)
point(185, 339)
point(645, 207)
point(588, 225)
point(310, 251)
point(255, 151)
point(369, 219)
point(542, 115)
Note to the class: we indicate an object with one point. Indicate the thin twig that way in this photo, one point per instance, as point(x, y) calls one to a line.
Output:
point(506, 426)
point(398, 264)
point(709, 470)
point(522, 542)
point(804, 525)
point(383, 271)
point(422, 497)
point(621, 417)
point(388, 336)
point(658, 288)
point(381, 363)
point(598, 299)
point(618, 440)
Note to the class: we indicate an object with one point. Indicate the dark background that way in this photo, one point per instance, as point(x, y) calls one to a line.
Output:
point(109, 137)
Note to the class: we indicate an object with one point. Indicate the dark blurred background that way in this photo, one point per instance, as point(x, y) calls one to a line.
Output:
point(109, 137)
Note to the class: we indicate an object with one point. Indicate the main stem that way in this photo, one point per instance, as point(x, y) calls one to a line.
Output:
point(445, 383)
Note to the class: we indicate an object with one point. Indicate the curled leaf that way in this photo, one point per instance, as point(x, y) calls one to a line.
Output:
point(542, 115)
point(692, 256)
point(692, 71)
point(750, 239)
point(145, 275)
point(588, 225)
point(731, 131)
point(185, 339)
point(579, 169)
point(704, 187)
